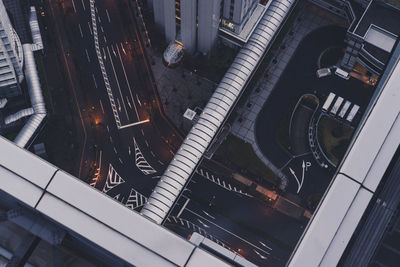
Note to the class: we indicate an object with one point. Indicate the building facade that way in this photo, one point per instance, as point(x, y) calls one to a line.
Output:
point(194, 24)
point(11, 57)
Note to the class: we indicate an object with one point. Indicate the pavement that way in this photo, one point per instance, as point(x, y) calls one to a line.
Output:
point(308, 19)
point(179, 88)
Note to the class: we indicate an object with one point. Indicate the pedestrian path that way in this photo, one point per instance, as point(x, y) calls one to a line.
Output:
point(308, 19)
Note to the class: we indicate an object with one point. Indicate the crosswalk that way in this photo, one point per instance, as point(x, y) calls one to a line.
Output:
point(135, 200)
point(220, 182)
point(113, 179)
point(141, 162)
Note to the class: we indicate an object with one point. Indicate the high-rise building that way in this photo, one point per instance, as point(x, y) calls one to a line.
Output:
point(195, 23)
point(11, 57)
point(236, 13)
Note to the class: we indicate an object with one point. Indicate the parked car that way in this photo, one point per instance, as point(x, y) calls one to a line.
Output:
point(323, 72)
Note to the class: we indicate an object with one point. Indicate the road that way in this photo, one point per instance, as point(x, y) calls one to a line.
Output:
point(125, 129)
point(297, 79)
point(115, 95)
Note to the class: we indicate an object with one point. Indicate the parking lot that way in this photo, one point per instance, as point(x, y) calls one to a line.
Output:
point(299, 78)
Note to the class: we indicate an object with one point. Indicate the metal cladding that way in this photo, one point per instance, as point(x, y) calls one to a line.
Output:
point(19, 115)
point(35, 30)
point(202, 133)
point(36, 97)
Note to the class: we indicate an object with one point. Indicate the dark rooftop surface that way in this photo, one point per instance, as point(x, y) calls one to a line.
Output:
point(382, 15)
point(377, 52)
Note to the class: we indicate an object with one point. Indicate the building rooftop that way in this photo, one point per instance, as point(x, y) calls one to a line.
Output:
point(381, 15)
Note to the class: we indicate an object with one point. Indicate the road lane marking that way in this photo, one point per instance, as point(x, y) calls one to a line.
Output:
point(101, 63)
point(115, 150)
point(83, 4)
point(209, 215)
point(142, 131)
point(101, 27)
point(87, 55)
point(133, 124)
point(129, 102)
point(183, 207)
point(147, 144)
point(105, 39)
point(108, 128)
point(111, 140)
point(94, 80)
point(108, 16)
point(152, 153)
point(138, 100)
point(120, 160)
point(229, 232)
point(116, 78)
point(265, 245)
point(129, 86)
point(80, 29)
point(160, 162)
point(90, 29)
point(101, 105)
point(73, 4)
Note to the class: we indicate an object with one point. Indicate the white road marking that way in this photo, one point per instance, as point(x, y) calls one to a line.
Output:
point(120, 160)
point(260, 255)
point(204, 225)
point(94, 80)
point(111, 140)
point(101, 28)
point(84, 8)
point(265, 245)
point(132, 124)
point(101, 105)
point(160, 162)
point(129, 86)
point(142, 131)
point(73, 4)
point(87, 55)
point(90, 29)
point(183, 207)
point(229, 232)
point(80, 29)
point(208, 215)
point(104, 54)
point(108, 16)
point(138, 100)
point(105, 39)
point(116, 78)
point(141, 162)
point(147, 144)
point(115, 150)
point(129, 102)
point(108, 129)
point(152, 153)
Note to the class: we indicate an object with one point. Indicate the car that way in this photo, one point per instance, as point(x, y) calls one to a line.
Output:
point(323, 72)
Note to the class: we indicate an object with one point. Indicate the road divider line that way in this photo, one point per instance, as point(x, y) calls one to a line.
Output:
point(126, 78)
point(90, 29)
point(108, 16)
point(116, 79)
point(183, 207)
point(101, 105)
point(83, 4)
point(80, 29)
point(94, 80)
point(73, 4)
point(101, 63)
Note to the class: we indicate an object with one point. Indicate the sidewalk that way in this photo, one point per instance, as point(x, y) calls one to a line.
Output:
point(309, 18)
point(178, 88)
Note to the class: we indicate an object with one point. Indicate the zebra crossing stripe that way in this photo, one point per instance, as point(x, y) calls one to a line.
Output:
point(141, 162)
point(113, 179)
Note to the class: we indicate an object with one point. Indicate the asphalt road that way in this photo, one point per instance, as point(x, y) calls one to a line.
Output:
point(297, 79)
point(132, 159)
